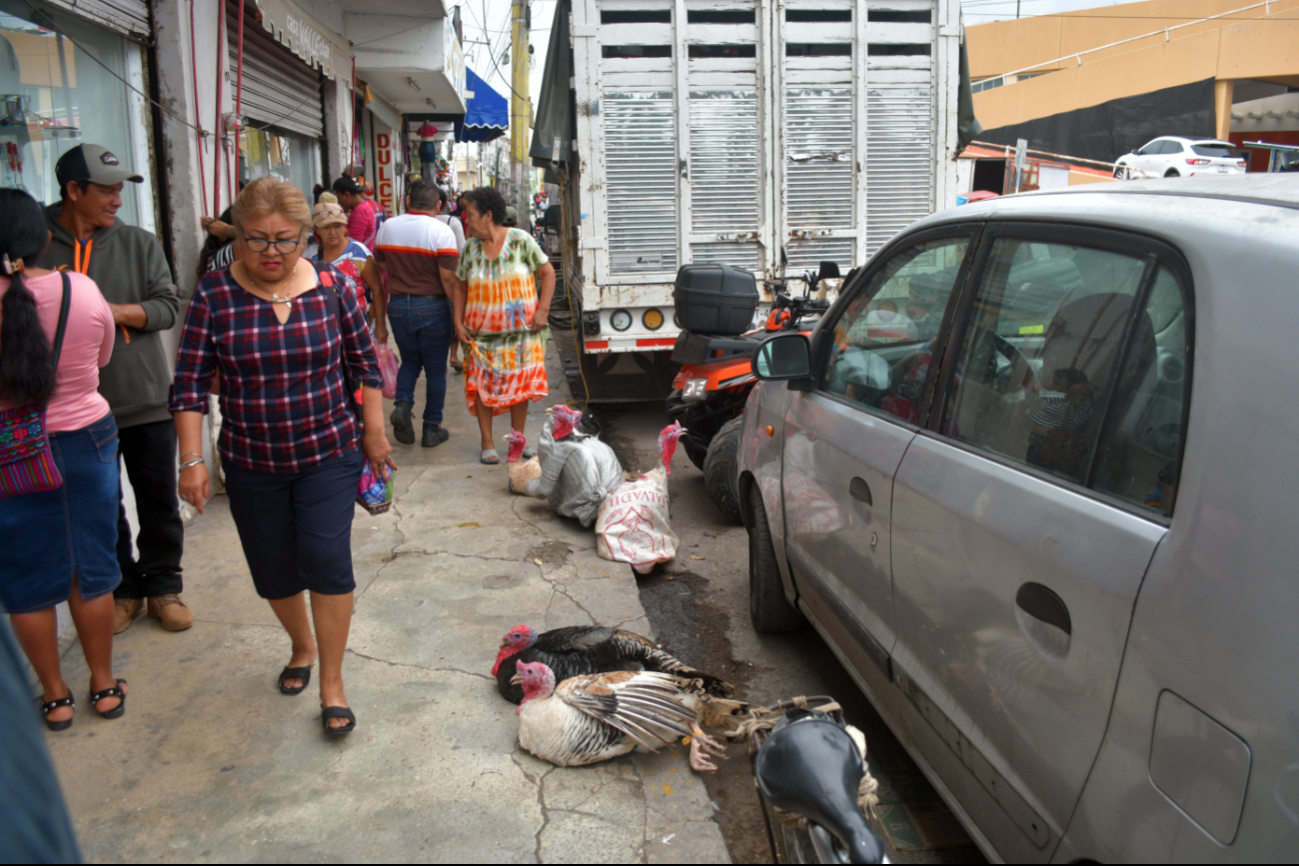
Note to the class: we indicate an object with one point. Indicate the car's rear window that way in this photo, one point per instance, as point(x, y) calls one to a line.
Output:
point(1217, 151)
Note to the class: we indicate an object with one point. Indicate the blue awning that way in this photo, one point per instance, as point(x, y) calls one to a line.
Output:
point(487, 113)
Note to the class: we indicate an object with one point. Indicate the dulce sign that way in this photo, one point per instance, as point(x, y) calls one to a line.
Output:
point(385, 189)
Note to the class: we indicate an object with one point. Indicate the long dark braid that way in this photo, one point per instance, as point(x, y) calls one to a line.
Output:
point(26, 357)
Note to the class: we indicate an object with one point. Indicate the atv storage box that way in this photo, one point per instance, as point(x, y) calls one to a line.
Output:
point(715, 299)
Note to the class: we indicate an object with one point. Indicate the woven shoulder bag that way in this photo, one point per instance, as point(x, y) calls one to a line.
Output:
point(26, 461)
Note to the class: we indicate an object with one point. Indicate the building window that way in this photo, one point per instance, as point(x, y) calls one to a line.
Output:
point(54, 96)
point(287, 155)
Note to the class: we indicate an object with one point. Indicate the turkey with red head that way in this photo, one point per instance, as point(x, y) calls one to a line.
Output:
point(565, 420)
point(575, 650)
point(595, 717)
point(668, 444)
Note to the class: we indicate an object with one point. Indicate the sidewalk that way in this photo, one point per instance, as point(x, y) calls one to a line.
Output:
point(212, 763)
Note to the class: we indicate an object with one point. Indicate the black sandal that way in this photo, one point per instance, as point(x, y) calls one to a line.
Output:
point(302, 673)
point(111, 692)
point(327, 713)
point(48, 707)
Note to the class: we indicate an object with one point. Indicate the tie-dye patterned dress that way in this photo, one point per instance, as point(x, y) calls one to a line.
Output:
point(507, 363)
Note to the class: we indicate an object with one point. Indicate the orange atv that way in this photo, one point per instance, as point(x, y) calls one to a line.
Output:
point(709, 393)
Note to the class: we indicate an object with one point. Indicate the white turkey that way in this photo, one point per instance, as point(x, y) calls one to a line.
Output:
point(520, 471)
point(596, 717)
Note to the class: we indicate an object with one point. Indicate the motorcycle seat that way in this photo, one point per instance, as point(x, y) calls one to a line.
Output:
point(692, 348)
point(812, 767)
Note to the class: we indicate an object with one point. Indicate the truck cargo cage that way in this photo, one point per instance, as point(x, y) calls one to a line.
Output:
point(762, 135)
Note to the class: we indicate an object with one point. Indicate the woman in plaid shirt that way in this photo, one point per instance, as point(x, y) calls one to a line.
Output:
point(278, 330)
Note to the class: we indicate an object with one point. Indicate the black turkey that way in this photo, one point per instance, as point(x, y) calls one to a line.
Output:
point(575, 650)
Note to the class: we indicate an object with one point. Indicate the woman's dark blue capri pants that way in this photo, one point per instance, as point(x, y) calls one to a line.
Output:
point(296, 527)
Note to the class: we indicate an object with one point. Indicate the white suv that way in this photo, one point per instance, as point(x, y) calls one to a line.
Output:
point(1172, 156)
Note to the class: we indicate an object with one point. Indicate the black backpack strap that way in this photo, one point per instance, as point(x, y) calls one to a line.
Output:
point(327, 280)
point(65, 304)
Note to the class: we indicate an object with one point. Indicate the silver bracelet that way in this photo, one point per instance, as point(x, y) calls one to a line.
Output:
point(190, 463)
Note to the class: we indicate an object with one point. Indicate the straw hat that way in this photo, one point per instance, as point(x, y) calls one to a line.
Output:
point(328, 212)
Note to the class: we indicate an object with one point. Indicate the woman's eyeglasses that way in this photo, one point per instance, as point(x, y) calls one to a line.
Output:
point(261, 245)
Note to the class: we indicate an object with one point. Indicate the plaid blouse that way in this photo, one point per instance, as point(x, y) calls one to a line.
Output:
point(283, 400)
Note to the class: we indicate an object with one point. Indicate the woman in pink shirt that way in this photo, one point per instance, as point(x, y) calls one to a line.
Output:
point(61, 545)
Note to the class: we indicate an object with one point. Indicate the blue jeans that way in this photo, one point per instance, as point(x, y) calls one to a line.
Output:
point(423, 329)
point(57, 535)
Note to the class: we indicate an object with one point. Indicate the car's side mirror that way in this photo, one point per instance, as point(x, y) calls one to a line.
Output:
point(785, 357)
point(829, 271)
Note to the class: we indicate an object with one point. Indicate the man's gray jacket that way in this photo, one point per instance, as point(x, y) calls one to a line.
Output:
point(128, 265)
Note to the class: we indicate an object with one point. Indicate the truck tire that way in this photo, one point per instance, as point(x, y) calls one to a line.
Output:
point(768, 609)
point(721, 469)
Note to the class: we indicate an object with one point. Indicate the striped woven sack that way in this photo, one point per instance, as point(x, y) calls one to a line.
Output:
point(26, 461)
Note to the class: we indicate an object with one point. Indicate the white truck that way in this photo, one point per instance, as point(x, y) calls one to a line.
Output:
point(766, 134)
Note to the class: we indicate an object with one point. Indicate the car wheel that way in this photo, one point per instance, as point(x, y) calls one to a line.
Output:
point(1120, 172)
point(768, 608)
point(721, 469)
point(1172, 172)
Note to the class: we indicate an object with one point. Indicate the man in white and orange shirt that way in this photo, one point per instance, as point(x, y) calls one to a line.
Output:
point(419, 255)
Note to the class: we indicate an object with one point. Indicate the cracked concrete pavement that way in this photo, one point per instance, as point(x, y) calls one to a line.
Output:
point(212, 763)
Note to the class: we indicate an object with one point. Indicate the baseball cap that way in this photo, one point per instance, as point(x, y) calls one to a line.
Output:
point(328, 212)
point(94, 163)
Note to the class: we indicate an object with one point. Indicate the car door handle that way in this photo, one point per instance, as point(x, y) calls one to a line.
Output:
point(861, 491)
point(1042, 604)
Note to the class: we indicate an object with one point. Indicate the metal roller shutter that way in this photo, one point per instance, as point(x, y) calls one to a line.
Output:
point(278, 88)
point(127, 17)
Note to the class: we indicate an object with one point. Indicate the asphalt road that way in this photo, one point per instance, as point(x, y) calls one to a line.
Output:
point(699, 609)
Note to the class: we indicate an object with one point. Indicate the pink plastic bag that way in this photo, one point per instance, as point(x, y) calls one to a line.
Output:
point(388, 364)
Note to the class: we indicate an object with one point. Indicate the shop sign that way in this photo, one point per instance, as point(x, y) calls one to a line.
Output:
point(313, 42)
point(454, 65)
point(382, 109)
point(386, 187)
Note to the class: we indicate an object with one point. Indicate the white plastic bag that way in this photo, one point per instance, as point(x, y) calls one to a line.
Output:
point(633, 525)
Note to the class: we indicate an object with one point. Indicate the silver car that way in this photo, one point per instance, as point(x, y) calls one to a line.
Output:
point(1030, 479)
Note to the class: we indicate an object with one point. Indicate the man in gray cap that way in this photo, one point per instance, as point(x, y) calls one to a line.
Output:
point(131, 271)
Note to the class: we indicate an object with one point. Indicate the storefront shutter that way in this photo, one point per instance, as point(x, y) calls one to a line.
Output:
point(127, 17)
point(278, 89)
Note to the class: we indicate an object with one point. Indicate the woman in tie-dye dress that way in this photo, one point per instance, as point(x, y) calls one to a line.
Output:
point(500, 316)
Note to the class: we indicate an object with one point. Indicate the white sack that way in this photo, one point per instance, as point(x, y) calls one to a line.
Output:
point(633, 525)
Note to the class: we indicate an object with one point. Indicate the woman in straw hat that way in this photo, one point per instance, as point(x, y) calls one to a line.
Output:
point(334, 247)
